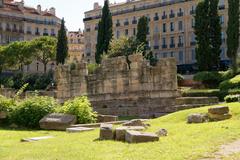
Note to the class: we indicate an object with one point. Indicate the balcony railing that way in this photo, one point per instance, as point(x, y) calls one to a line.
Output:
point(193, 43)
point(53, 34)
point(222, 7)
point(15, 30)
point(126, 23)
point(8, 29)
point(29, 32)
point(118, 24)
point(172, 15)
point(180, 44)
point(88, 30)
point(96, 28)
point(164, 46)
point(180, 14)
point(172, 45)
point(37, 33)
point(45, 34)
point(21, 31)
point(134, 22)
point(192, 12)
point(156, 47)
point(164, 17)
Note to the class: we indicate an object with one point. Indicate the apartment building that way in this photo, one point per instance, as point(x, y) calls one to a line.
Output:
point(171, 26)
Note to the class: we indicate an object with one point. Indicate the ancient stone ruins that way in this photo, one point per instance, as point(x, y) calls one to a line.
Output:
point(115, 89)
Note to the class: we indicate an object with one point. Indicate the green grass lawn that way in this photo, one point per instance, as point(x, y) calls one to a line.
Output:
point(185, 141)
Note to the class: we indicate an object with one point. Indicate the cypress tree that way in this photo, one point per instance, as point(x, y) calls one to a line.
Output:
point(62, 44)
point(203, 50)
point(215, 34)
point(142, 30)
point(233, 32)
point(104, 32)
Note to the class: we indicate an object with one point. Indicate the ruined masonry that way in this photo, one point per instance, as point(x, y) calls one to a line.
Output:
point(114, 89)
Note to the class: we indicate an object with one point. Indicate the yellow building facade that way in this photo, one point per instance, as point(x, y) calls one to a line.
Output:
point(75, 46)
point(171, 22)
point(19, 22)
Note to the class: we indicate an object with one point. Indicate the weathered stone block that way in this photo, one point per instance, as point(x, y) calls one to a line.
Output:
point(219, 110)
point(138, 137)
point(219, 117)
point(162, 133)
point(121, 131)
point(197, 118)
point(57, 121)
point(135, 122)
point(106, 132)
point(78, 129)
point(106, 118)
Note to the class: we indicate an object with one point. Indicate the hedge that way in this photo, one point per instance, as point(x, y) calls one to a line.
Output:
point(233, 83)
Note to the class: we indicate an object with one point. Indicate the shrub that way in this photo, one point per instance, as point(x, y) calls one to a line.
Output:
point(180, 77)
point(92, 67)
point(30, 111)
point(6, 105)
point(81, 108)
point(209, 79)
point(232, 98)
point(233, 83)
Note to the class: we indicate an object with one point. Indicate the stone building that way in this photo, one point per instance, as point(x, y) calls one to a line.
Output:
point(171, 23)
point(75, 46)
point(19, 22)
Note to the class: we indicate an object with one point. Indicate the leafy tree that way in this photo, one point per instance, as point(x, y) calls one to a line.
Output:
point(215, 33)
point(203, 50)
point(45, 50)
point(233, 32)
point(142, 30)
point(104, 32)
point(2, 59)
point(62, 44)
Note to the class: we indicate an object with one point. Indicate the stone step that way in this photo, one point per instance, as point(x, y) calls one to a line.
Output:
point(196, 100)
point(97, 125)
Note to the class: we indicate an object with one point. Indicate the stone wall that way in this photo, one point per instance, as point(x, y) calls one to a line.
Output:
point(115, 89)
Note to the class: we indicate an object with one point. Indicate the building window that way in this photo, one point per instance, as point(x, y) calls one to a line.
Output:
point(45, 32)
point(164, 45)
point(126, 32)
point(118, 34)
point(118, 23)
point(134, 31)
point(126, 23)
point(222, 19)
point(156, 17)
point(52, 32)
point(180, 41)
point(172, 43)
point(193, 55)
point(171, 54)
point(164, 27)
point(164, 16)
point(223, 37)
point(172, 26)
point(134, 21)
point(222, 53)
point(165, 55)
point(156, 30)
point(180, 25)
point(180, 57)
point(193, 23)
point(180, 13)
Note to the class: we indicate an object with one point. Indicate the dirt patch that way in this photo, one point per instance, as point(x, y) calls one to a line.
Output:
point(226, 150)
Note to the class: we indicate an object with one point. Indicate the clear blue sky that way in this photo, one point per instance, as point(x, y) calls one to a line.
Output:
point(71, 10)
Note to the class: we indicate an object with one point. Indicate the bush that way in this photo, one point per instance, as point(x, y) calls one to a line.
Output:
point(92, 67)
point(6, 105)
point(30, 111)
point(209, 79)
point(232, 98)
point(81, 108)
point(180, 77)
point(233, 83)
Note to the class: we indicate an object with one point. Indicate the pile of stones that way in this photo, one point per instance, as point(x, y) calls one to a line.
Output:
point(214, 114)
point(130, 132)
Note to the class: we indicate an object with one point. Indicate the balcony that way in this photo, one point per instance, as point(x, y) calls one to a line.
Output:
point(126, 23)
point(21, 31)
point(193, 43)
point(164, 17)
point(172, 45)
point(134, 22)
point(8, 29)
point(118, 24)
point(192, 12)
point(180, 45)
point(88, 54)
point(15, 30)
point(88, 30)
point(222, 7)
point(29, 32)
point(53, 34)
point(156, 18)
point(180, 14)
point(156, 47)
point(172, 15)
point(37, 33)
point(164, 46)
point(45, 34)
point(96, 28)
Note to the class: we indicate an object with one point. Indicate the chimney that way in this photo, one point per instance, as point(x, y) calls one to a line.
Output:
point(52, 11)
point(96, 5)
point(39, 9)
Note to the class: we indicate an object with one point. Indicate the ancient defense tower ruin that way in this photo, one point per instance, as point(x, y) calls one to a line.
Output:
point(113, 88)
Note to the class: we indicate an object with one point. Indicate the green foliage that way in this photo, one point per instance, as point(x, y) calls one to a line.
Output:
point(6, 105)
point(92, 67)
point(62, 44)
point(233, 31)
point(208, 35)
point(45, 49)
point(180, 77)
point(81, 107)
point(209, 79)
point(21, 90)
point(104, 32)
point(30, 111)
point(142, 30)
point(232, 98)
point(233, 83)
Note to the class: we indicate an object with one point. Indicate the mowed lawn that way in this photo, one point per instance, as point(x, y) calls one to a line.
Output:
point(185, 141)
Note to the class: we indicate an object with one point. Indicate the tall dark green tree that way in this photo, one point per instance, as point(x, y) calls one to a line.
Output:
point(104, 32)
point(233, 32)
point(62, 44)
point(215, 34)
point(142, 30)
point(203, 50)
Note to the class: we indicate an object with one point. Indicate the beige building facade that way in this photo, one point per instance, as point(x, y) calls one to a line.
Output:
point(19, 22)
point(75, 46)
point(171, 26)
